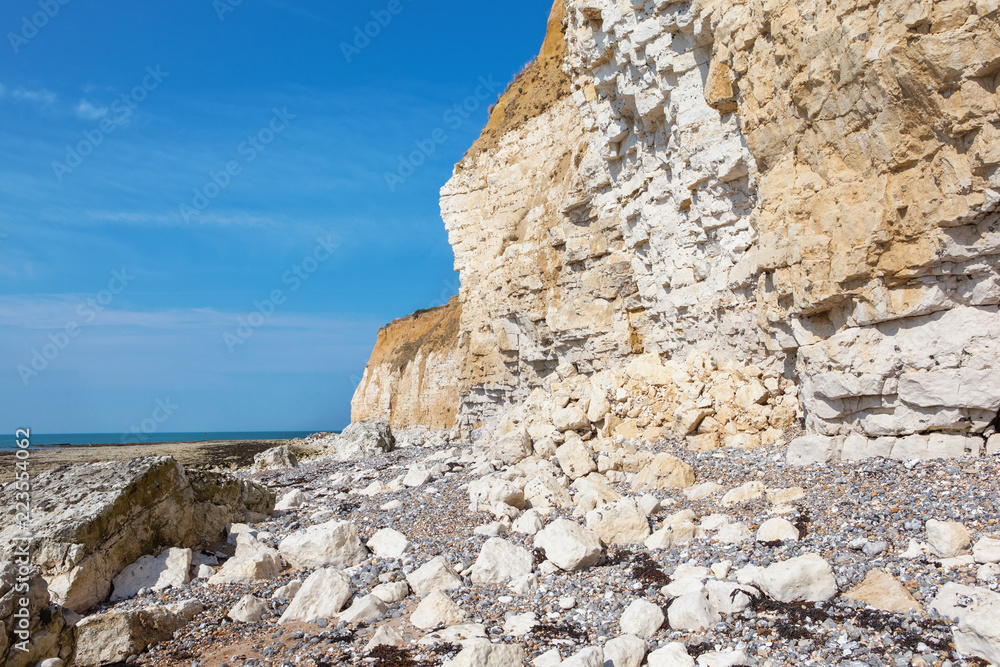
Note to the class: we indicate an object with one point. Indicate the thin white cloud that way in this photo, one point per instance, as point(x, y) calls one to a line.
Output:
point(41, 96)
point(129, 216)
point(55, 311)
point(222, 220)
point(88, 111)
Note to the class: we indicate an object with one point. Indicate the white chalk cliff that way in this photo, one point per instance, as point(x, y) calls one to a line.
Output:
point(716, 219)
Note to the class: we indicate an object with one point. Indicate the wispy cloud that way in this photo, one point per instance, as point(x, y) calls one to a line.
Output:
point(88, 111)
point(53, 311)
point(39, 96)
point(223, 220)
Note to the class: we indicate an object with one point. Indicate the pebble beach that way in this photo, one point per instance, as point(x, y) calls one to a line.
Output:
point(859, 517)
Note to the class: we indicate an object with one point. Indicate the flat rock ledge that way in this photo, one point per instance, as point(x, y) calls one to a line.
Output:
point(92, 521)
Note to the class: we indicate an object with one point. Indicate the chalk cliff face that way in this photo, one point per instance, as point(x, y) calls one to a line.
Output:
point(411, 377)
point(721, 216)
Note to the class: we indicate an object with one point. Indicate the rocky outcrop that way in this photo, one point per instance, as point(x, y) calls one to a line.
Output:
point(370, 437)
point(823, 184)
point(732, 215)
point(31, 628)
point(111, 637)
point(91, 521)
point(412, 376)
point(275, 458)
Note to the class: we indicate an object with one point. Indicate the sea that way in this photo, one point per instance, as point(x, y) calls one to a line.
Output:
point(8, 441)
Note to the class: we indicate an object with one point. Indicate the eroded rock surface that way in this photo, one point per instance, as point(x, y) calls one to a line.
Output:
point(717, 218)
point(33, 632)
point(109, 638)
point(93, 520)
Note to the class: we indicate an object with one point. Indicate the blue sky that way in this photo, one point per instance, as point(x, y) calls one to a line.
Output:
point(170, 168)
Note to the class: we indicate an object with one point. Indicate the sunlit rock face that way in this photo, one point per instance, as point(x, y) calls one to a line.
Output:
point(719, 217)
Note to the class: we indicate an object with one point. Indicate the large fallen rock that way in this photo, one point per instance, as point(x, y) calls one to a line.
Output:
point(570, 419)
point(977, 614)
point(291, 500)
point(693, 611)
point(364, 438)
point(671, 535)
point(500, 561)
point(777, 529)
point(512, 447)
point(642, 618)
point(620, 523)
point(545, 494)
point(170, 568)
point(276, 458)
point(434, 575)
point(249, 609)
point(111, 637)
point(98, 518)
point(576, 459)
point(673, 654)
point(437, 609)
point(569, 545)
point(987, 550)
point(881, 591)
point(32, 632)
point(480, 652)
point(386, 635)
point(947, 539)
point(625, 651)
point(322, 595)
point(591, 492)
point(808, 578)
point(978, 632)
point(500, 496)
point(389, 543)
point(391, 592)
point(592, 656)
point(743, 494)
point(253, 561)
point(665, 472)
point(363, 610)
point(330, 544)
